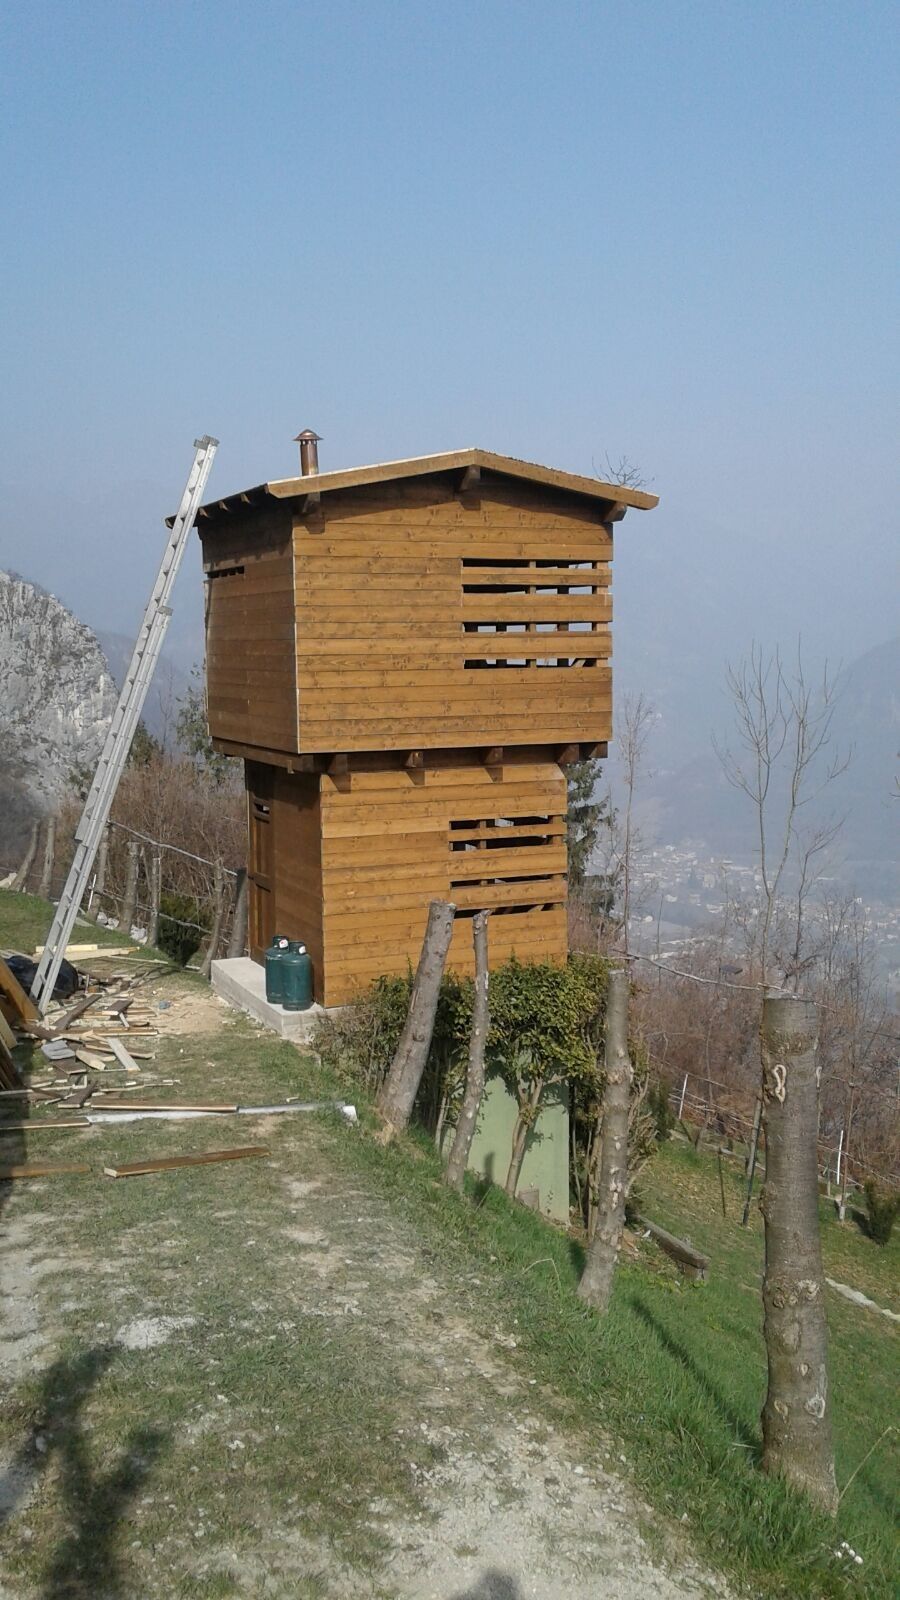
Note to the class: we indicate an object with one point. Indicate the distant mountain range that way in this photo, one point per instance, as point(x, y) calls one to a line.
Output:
point(169, 686)
point(686, 799)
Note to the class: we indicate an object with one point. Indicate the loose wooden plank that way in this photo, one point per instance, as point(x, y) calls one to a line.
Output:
point(137, 1169)
point(122, 1055)
point(110, 1102)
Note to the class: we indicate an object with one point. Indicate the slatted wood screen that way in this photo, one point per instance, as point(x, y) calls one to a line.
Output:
point(402, 591)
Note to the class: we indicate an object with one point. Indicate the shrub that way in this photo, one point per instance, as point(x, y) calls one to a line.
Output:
point(883, 1207)
point(176, 937)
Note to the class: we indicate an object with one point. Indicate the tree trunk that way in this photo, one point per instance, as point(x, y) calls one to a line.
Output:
point(400, 1087)
point(796, 1422)
point(100, 876)
point(212, 947)
point(237, 944)
point(21, 876)
point(596, 1280)
point(465, 1127)
point(129, 898)
point(46, 882)
point(524, 1122)
point(593, 1173)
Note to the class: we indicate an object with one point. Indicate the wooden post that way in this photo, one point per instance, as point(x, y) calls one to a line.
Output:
point(596, 1280)
point(845, 1153)
point(99, 884)
point(465, 1127)
point(218, 919)
point(21, 876)
point(153, 868)
point(399, 1090)
point(126, 918)
point(237, 944)
point(796, 1423)
point(49, 854)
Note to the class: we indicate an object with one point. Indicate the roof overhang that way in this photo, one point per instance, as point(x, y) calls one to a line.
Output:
point(320, 483)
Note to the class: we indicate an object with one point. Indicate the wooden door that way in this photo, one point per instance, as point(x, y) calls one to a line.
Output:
point(261, 857)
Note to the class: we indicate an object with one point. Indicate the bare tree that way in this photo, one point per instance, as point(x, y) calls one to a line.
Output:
point(596, 1281)
point(400, 1087)
point(635, 721)
point(784, 762)
point(465, 1126)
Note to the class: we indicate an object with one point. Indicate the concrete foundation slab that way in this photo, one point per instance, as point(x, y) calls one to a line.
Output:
point(242, 983)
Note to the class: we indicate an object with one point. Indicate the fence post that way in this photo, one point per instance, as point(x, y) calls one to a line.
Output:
point(751, 1161)
point(153, 866)
point(683, 1094)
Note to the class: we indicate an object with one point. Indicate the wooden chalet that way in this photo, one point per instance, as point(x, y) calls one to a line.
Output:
point(407, 656)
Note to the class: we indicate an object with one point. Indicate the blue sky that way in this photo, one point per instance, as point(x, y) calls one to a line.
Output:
point(660, 229)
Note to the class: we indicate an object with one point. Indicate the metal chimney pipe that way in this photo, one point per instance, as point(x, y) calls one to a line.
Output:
point(309, 454)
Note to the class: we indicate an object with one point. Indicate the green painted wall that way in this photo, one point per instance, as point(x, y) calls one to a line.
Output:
point(546, 1164)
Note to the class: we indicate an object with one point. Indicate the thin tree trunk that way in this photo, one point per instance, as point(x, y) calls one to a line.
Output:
point(237, 944)
point(212, 947)
point(400, 1087)
point(99, 876)
point(596, 1280)
point(465, 1127)
point(154, 885)
point(796, 1423)
point(49, 856)
point(524, 1123)
point(129, 898)
point(593, 1173)
point(21, 876)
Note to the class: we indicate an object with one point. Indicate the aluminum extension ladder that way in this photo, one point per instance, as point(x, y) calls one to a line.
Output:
point(125, 719)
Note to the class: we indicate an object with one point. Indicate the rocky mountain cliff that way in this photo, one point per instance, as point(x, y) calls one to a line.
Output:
point(56, 701)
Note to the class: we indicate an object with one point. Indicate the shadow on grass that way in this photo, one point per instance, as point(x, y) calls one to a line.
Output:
point(492, 1585)
point(84, 1563)
point(680, 1353)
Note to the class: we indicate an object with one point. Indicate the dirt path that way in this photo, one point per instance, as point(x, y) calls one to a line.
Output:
point(254, 1380)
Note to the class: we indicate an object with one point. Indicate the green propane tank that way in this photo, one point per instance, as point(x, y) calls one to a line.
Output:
point(297, 973)
point(275, 970)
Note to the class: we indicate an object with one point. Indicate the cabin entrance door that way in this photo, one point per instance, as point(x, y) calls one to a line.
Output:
point(261, 858)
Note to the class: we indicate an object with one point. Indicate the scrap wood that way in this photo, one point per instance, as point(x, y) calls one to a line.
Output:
point(77, 1010)
point(7, 1036)
point(95, 1062)
point(41, 1170)
point(110, 1103)
point(22, 1004)
point(137, 1169)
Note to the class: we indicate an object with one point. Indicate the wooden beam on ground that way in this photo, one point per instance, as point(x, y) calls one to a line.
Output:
point(137, 1169)
point(37, 1124)
point(110, 1102)
point(693, 1263)
point(122, 1055)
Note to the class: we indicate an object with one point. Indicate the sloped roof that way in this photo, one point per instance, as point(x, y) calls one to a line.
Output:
point(418, 466)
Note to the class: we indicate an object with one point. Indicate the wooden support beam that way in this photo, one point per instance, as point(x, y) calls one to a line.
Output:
point(492, 756)
point(311, 502)
point(567, 754)
point(137, 1169)
point(337, 766)
point(470, 479)
point(594, 752)
point(415, 760)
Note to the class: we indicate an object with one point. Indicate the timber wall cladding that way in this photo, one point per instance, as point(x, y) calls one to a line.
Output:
point(251, 673)
point(393, 841)
point(429, 619)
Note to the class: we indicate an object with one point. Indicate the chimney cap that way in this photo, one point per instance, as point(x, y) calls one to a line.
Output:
point(308, 436)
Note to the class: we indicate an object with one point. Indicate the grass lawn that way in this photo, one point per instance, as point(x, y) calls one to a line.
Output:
point(25, 922)
point(184, 1418)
